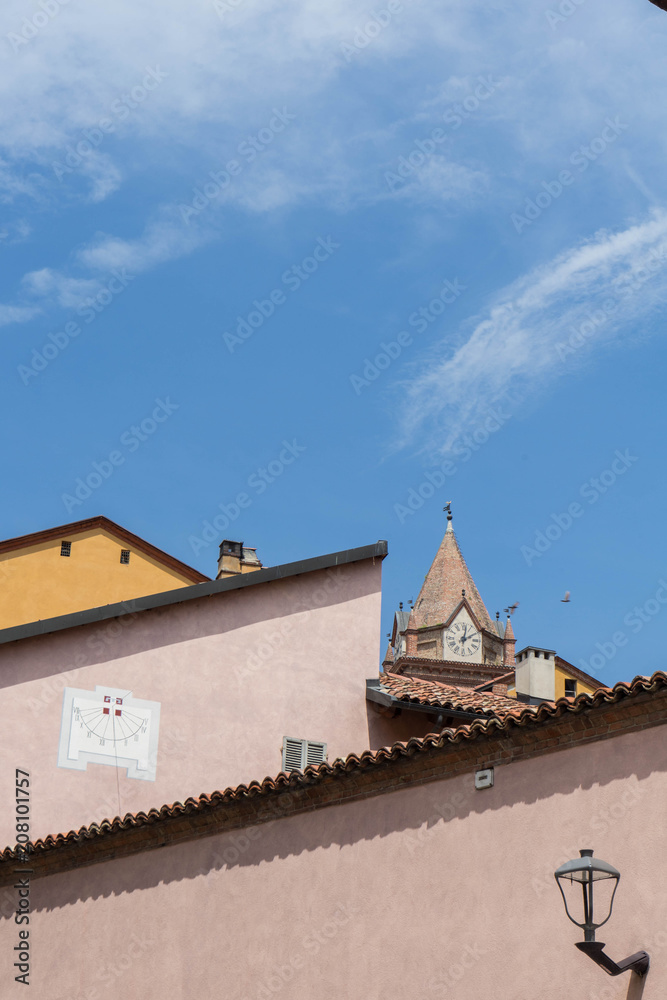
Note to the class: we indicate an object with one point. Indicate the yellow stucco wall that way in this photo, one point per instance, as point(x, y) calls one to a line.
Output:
point(560, 676)
point(560, 684)
point(37, 582)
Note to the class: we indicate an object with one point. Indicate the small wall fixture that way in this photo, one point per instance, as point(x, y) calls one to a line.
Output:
point(484, 779)
point(586, 871)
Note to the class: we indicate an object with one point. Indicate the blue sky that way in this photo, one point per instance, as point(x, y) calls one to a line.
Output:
point(366, 248)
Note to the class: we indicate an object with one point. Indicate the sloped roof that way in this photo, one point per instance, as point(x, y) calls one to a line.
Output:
point(63, 531)
point(506, 678)
point(464, 699)
point(441, 591)
point(200, 812)
point(182, 595)
point(402, 618)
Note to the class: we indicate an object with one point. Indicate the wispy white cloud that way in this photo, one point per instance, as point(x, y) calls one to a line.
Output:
point(221, 76)
point(84, 66)
point(440, 180)
point(50, 285)
point(537, 328)
point(164, 238)
point(16, 314)
point(104, 176)
point(15, 231)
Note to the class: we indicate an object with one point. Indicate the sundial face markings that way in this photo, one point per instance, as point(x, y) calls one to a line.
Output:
point(128, 723)
point(91, 714)
point(133, 718)
point(94, 729)
point(97, 723)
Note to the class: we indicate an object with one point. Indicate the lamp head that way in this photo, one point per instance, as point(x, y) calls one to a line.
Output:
point(587, 870)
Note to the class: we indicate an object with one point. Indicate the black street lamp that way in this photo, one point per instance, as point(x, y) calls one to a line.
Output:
point(586, 871)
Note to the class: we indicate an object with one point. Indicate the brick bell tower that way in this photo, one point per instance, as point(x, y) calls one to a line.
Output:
point(448, 635)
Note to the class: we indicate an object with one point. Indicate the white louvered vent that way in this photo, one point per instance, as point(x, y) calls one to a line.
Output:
point(298, 754)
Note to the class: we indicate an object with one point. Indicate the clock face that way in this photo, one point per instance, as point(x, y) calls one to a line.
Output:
point(108, 726)
point(463, 639)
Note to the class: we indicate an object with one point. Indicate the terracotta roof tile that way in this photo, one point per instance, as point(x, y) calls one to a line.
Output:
point(464, 699)
point(478, 729)
point(506, 678)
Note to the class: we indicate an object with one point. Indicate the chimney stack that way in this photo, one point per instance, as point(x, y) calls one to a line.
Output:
point(535, 674)
point(235, 558)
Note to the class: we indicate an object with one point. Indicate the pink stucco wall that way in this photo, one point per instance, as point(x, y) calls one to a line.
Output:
point(234, 673)
point(434, 892)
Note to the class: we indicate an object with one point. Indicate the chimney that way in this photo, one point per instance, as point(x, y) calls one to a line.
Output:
point(535, 674)
point(235, 558)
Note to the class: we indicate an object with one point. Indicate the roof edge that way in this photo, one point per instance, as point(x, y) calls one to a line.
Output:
point(344, 780)
point(375, 694)
point(577, 674)
point(100, 521)
point(92, 615)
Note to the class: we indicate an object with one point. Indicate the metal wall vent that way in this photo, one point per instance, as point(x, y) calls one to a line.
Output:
point(298, 754)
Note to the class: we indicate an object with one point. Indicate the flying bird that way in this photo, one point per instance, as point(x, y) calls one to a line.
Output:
point(565, 600)
point(512, 608)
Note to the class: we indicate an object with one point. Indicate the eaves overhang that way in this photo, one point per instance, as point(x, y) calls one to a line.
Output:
point(553, 728)
point(194, 592)
point(375, 694)
point(557, 727)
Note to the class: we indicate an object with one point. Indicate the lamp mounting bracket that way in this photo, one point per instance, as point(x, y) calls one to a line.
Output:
point(639, 962)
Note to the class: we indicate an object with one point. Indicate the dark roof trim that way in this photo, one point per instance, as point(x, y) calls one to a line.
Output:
point(375, 693)
point(78, 527)
point(182, 594)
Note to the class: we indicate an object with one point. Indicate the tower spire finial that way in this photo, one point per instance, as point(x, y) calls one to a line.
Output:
point(448, 509)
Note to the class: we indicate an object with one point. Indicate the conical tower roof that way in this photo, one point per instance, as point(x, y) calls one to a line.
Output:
point(441, 592)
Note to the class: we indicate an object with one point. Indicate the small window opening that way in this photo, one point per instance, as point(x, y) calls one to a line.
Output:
point(570, 688)
point(125, 556)
point(65, 548)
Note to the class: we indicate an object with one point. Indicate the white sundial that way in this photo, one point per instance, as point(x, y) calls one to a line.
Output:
point(108, 726)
